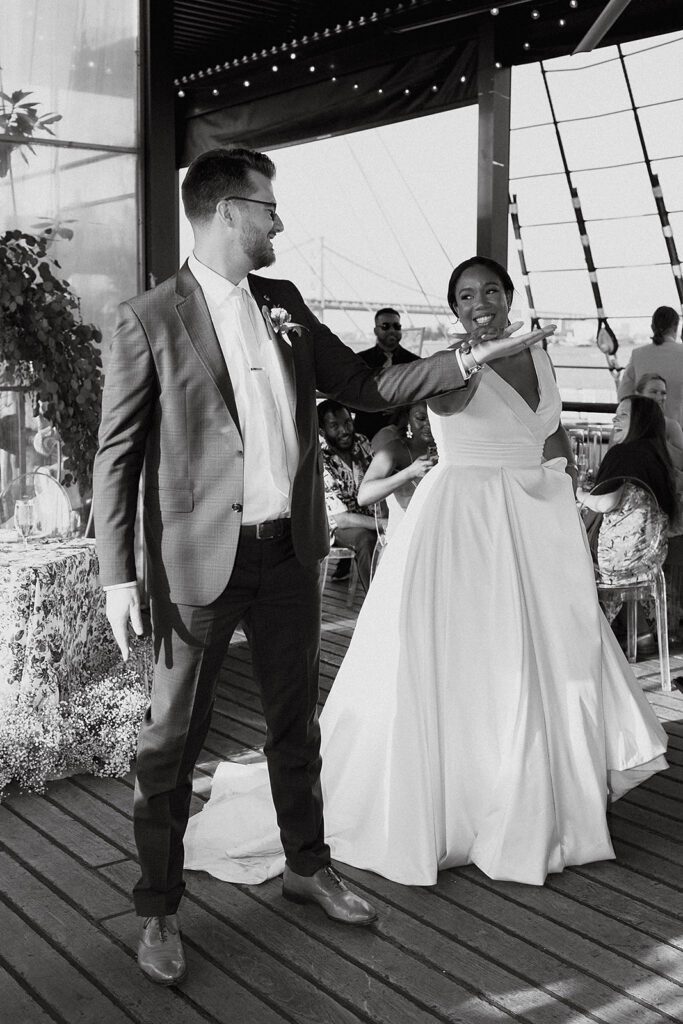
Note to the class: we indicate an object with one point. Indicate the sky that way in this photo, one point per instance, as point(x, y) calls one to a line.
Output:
point(382, 216)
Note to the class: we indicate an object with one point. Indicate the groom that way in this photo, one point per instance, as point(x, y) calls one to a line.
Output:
point(213, 402)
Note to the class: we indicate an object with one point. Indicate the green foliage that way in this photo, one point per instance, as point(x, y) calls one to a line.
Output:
point(19, 117)
point(41, 325)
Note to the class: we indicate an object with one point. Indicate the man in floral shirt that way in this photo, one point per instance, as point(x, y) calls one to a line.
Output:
point(346, 457)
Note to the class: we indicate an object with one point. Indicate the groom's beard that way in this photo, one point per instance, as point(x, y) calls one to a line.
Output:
point(257, 248)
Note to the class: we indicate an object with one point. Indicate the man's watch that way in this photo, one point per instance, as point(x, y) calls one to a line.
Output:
point(467, 362)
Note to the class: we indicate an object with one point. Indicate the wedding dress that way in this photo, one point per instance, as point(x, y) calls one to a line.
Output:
point(484, 712)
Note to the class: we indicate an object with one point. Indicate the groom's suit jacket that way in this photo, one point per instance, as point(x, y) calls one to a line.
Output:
point(169, 411)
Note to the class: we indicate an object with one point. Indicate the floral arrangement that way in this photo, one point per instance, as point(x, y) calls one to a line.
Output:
point(94, 732)
point(280, 319)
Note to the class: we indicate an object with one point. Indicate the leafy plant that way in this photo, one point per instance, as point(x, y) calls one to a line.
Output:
point(21, 118)
point(41, 325)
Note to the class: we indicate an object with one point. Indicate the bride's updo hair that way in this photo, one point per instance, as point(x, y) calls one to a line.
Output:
point(663, 319)
point(479, 261)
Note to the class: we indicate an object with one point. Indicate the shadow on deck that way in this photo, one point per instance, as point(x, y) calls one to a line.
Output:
point(602, 942)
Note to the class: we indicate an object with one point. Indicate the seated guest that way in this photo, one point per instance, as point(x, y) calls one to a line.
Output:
point(346, 457)
point(386, 351)
point(653, 385)
point(639, 456)
point(399, 465)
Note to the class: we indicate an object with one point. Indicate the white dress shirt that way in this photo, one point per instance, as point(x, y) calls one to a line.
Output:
point(271, 447)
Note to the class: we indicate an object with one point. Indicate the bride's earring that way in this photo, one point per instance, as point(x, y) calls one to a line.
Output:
point(409, 432)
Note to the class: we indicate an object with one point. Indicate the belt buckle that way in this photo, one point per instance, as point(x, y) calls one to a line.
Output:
point(265, 531)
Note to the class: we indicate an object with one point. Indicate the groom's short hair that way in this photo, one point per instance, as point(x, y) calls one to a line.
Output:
point(219, 173)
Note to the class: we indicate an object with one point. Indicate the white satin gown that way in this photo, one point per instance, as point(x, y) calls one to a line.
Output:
point(484, 713)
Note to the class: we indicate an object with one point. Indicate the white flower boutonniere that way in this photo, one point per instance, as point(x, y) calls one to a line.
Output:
point(280, 320)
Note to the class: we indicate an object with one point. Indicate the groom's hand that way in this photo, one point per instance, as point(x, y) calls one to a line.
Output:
point(490, 345)
point(123, 606)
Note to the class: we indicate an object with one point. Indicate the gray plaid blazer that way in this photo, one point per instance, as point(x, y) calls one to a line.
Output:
point(169, 412)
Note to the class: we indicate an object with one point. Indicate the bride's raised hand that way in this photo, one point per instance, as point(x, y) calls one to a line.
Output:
point(489, 345)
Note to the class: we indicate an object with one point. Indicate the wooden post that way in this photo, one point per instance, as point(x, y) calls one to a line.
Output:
point(493, 90)
point(159, 198)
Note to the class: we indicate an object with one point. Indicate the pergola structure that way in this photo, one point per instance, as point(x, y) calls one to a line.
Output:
point(269, 73)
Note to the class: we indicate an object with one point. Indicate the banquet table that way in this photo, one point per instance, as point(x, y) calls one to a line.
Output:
point(53, 630)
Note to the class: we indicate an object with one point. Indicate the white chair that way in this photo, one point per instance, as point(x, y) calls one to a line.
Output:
point(337, 554)
point(630, 551)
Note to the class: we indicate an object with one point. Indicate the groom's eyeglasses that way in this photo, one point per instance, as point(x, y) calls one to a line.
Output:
point(272, 207)
point(388, 327)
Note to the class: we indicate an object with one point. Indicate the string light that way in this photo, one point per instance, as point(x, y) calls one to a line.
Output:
point(327, 33)
point(380, 91)
point(181, 93)
point(214, 92)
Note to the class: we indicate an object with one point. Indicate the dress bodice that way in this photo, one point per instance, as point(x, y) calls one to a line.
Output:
point(498, 427)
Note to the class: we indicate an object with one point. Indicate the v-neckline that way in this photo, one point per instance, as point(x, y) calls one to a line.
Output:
point(539, 387)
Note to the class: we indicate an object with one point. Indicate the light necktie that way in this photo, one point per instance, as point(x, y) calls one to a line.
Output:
point(388, 360)
point(260, 367)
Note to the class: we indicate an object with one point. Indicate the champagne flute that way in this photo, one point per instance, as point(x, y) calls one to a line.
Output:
point(24, 518)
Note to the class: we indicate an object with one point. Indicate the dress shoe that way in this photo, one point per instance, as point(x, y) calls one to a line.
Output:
point(160, 950)
point(326, 889)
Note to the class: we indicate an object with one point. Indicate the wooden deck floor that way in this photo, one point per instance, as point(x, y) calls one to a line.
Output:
point(602, 942)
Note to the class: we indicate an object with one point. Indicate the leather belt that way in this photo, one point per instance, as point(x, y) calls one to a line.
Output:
point(272, 529)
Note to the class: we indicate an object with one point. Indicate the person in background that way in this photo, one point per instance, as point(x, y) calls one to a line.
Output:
point(346, 457)
point(653, 385)
point(663, 356)
point(639, 452)
point(387, 351)
point(398, 467)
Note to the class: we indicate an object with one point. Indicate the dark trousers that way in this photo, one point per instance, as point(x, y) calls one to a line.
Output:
point(279, 601)
point(361, 541)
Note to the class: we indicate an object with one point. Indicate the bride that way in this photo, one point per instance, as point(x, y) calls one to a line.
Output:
point(484, 713)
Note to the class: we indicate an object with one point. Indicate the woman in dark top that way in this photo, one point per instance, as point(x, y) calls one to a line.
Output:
point(639, 453)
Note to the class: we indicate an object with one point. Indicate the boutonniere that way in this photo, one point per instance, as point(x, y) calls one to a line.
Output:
point(281, 322)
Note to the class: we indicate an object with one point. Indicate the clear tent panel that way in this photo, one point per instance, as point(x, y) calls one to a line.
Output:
point(654, 68)
point(534, 151)
point(542, 200)
point(614, 191)
point(598, 87)
point(600, 142)
point(528, 100)
point(638, 241)
point(555, 247)
point(646, 288)
point(78, 58)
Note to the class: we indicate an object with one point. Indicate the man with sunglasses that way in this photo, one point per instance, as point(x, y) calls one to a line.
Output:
point(210, 393)
point(387, 351)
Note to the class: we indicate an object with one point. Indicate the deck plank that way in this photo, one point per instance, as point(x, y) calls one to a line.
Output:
point(599, 943)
